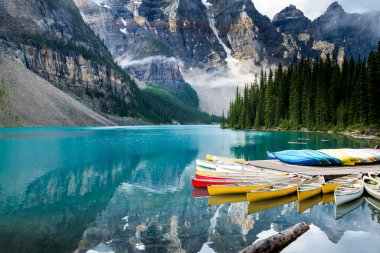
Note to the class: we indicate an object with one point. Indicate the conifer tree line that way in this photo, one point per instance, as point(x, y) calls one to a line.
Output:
point(318, 94)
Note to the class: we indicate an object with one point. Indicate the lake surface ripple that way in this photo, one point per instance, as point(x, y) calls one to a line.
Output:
point(127, 189)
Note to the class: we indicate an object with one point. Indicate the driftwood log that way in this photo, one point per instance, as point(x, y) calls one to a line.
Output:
point(279, 241)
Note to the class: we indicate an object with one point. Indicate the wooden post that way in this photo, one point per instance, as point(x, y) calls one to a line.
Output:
point(279, 241)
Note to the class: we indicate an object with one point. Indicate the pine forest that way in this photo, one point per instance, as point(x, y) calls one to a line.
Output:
point(312, 94)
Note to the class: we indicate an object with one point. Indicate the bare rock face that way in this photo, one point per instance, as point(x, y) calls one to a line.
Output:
point(137, 30)
point(78, 75)
point(158, 70)
point(51, 21)
point(54, 42)
point(248, 34)
point(101, 20)
point(146, 28)
point(291, 20)
point(29, 100)
point(356, 33)
point(336, 32)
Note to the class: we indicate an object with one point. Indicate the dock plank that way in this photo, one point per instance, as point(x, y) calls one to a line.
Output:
point(315, 170)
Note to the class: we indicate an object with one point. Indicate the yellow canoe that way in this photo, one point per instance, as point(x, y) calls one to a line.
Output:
point(261, 205)
point(234, 188)
point(331, 185)
point(357, 154)
point(328, 198)
point(302, 206)
point(274, 191)
point(310, 188)
point(225, 199)
point(343, 157)
point(226, 159)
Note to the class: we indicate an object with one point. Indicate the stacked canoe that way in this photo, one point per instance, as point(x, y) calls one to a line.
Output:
point(327, 157)
point(222, 176)
point(229, 180)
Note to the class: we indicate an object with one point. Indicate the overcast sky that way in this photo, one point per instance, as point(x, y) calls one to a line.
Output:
point(314, 8)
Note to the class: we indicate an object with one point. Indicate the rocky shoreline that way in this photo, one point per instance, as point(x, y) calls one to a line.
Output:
point(354, 134)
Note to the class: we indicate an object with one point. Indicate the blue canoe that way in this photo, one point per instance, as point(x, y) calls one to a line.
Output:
point(304, 157)
point(325, 159)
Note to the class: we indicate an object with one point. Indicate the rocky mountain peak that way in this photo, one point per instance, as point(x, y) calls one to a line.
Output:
point(289, 12)
point(291, 20)
point(335, 6)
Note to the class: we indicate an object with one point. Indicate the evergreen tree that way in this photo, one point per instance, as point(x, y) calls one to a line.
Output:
point(316, 94)
point(223, 121)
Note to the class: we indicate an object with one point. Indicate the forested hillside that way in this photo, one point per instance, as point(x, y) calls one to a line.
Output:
point(314, 94)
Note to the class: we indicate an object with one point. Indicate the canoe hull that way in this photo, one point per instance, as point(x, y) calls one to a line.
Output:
point(256, 196)
point(327, 188)
point(199, 183)
point(342, 199)
point(372, 187)
point(219, 165)
point(305, 194)
point(331, 185)
point(232, 189)
point(227, 159)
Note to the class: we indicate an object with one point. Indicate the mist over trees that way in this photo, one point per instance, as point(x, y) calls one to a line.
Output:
point(313, 94)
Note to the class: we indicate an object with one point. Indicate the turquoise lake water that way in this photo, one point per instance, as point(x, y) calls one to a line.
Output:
point(127, 189)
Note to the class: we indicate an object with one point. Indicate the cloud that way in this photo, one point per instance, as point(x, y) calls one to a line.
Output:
point(125, 61)
point(217, 88)
point(317, 8)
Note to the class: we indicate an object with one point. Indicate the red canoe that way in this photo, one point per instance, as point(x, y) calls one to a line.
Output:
point(203, 183)
point(197, 176)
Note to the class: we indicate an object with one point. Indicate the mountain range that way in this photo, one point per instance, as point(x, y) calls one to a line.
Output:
point(137, 58)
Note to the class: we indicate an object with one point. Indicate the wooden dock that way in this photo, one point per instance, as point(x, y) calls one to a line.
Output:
point(332, 171)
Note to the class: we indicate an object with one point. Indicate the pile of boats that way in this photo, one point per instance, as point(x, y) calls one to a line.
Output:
point(327, 157)
point(241, 181)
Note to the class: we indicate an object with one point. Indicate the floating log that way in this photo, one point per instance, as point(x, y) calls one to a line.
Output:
point(279, 241)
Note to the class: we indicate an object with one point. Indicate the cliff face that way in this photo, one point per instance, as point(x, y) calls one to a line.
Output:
point(170, 28)
point(28, 100)
point(335, 32)
point(88, 79)
point(136, 30)
point(56, 21)
point(356, 33)
point(248, 34)
point(158, 70)
point(56, 44)
point(291, 20)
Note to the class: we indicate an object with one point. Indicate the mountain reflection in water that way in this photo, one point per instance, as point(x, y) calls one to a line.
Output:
point(128, 189)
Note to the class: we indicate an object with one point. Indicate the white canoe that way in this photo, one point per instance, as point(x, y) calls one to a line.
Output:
point(372, 187)
point(348, 192)
point(213, 158)
point(331, 185)
point(374, 175)
point(215, 165)
point(227, 166)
